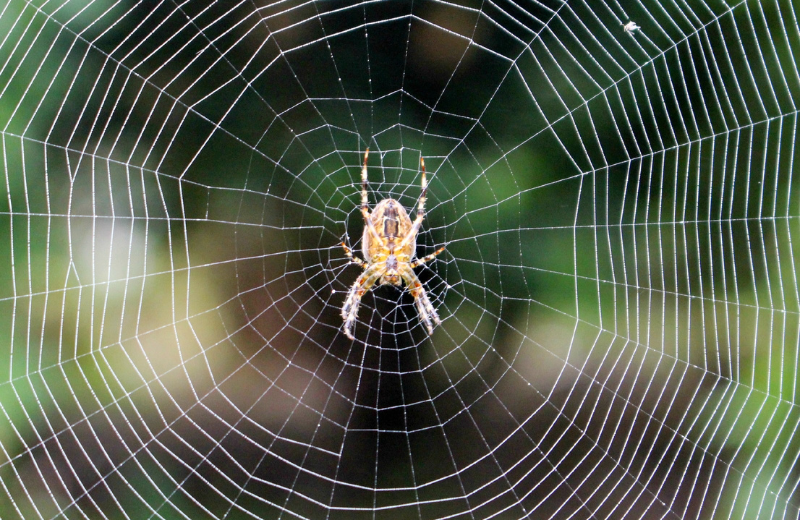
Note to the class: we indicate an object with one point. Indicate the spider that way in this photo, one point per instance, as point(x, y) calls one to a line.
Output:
point(389, 245)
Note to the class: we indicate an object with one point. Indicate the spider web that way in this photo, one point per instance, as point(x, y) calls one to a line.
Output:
point(618, 293)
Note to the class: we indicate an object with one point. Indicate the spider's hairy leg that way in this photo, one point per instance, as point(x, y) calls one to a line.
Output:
point(424, 194)
point(412, 233)
point(422, 198)
point(354, 259)
point(363, 283)
point(364, 196)
point(424, 306)
point(369, 226)
point(420, 261)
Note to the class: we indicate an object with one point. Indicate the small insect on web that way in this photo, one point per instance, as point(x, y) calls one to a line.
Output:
point(389, 245)
point(630, 27)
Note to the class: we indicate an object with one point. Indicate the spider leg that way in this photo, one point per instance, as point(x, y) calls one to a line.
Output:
point(363, 283)
point(354, 259)
point(364, 196)
point(369, 227)
point(420, 261)
point(412, 233)
point(425, 308)
point(424, 194)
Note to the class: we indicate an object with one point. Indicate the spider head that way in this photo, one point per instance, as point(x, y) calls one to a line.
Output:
point(391, 275)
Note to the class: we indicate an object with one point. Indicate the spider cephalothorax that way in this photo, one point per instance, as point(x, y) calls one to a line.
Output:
point(389, 245)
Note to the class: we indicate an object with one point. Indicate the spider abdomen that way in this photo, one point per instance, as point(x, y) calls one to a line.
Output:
point(390, 223)
point(393, 226)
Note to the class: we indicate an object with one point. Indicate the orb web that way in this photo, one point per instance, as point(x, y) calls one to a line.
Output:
point(618, 292)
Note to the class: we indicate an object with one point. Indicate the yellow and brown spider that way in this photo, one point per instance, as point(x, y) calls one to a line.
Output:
point(389, 245)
